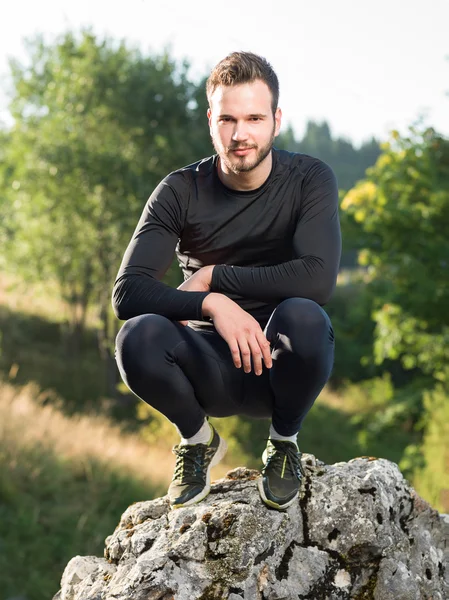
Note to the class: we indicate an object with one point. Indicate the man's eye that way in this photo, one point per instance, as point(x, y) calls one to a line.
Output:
point(224, 120)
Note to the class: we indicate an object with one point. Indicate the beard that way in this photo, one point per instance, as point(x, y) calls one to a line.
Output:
point(242, 164)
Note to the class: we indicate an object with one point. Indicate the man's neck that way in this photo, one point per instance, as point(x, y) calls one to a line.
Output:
point(247, 180)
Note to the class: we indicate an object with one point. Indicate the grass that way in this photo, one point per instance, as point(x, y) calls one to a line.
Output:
point(64, 482)
point(52, 509)
point(81, 437)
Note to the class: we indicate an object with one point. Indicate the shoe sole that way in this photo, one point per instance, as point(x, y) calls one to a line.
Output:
point(219, 454)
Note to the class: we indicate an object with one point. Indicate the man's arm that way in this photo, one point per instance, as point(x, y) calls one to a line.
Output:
point(316, 245)
point(137, 288)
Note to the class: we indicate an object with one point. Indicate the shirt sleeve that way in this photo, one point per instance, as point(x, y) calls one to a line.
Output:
point(316, 250)
point(137, 289)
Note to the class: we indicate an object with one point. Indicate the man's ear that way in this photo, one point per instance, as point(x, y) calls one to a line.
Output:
point(209, 116)
point(277, 120)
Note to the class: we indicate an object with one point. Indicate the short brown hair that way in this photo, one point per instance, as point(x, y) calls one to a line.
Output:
point(243, 67)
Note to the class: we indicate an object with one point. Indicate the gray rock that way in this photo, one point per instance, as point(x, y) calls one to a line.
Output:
point(357, 531)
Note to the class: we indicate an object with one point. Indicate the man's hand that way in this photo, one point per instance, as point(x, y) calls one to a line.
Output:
point(240, 330)
point(198, 282)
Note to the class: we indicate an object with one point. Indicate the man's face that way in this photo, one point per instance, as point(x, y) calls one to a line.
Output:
point(242, 125)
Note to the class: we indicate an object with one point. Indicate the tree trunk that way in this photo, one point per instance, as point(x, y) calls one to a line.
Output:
point(78, 306)
point(106, 335)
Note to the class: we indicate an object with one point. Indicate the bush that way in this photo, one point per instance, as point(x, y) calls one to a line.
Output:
point(432, 480)
point(350, 312)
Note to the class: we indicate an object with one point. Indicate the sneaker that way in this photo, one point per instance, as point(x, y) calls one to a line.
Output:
point(191, 479)
point(282, 474)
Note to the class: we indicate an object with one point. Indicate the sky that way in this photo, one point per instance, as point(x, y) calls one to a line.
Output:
point(365, 67)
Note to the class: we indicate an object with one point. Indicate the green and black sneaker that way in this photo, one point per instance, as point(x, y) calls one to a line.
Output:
point(282, 474)
point(191, 479)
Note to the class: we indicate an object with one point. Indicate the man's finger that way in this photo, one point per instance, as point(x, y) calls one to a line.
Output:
point(245, 353)
point(265, 348)
point(235, 352)
point(256, 353)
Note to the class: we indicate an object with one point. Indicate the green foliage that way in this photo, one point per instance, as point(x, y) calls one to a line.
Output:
point(97, 126)
point(381, 411)
point(350, 311)
point(431, 479)
point(402, 211)
point(52, 509)
point(399, 335)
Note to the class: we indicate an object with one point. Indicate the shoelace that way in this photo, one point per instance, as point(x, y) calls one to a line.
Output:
point(276, 458)
point(189, 462)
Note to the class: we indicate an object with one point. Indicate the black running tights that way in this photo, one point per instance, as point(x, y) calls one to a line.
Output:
point(187, 374)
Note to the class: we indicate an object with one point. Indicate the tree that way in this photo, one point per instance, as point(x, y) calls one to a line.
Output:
point(402, 211)
point(97, 126)
point(349, 163)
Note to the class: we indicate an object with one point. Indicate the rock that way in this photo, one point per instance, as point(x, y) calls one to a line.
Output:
point(358, 531)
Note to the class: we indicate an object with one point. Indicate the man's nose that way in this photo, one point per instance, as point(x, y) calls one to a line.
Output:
point(240, 132)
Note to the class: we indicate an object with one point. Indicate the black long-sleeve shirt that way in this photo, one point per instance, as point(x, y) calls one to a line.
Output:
point(278, 241)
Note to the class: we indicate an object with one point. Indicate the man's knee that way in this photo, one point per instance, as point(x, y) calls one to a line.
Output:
point(306, 326)
point(139, 334)
point(302, 313)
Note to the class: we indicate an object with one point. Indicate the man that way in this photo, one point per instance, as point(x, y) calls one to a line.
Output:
point(257, 235)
